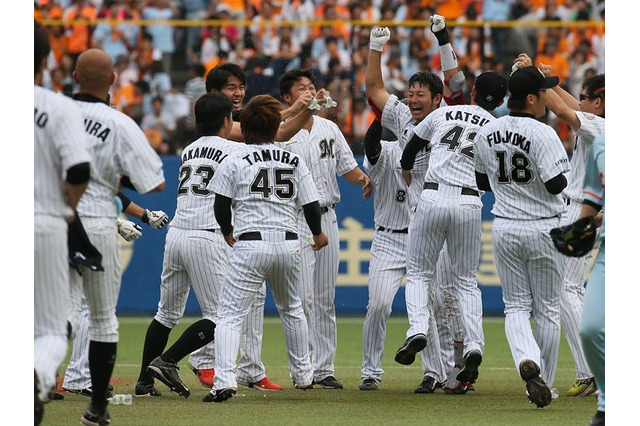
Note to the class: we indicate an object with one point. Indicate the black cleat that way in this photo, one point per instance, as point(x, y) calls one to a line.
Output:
point(414, 344)
point(92, 417)
point(219, 395)
point(469, 372)
point(369, 384)
point(428, 385)
point(537, 390)
point(146, 389)
point(329, 382)
point(167, 373)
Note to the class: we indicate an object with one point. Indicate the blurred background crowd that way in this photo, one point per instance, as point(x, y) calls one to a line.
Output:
point(161, 65)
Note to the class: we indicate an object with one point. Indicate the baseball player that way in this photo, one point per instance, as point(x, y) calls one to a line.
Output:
point(230, 80)
point(63, 164)
point(195, 252)
point(586, 118)
point(592, 330)
point(77, 377)
point(120, 154)
point(426, 91)
point(524, 163)
point(450, 210)
point(324, 149)
point(266, 186)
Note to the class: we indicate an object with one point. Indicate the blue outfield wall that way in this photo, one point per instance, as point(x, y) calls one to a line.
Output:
point(142, 259)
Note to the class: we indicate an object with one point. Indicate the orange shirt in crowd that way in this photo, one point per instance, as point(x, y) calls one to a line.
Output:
point(563, 45)
point(79, 40)
point(559, 65)
point(450, 9)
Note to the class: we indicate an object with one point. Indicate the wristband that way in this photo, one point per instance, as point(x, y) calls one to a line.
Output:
point(442, 36)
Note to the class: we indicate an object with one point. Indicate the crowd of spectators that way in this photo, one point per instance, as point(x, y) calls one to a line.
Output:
point(162, 66)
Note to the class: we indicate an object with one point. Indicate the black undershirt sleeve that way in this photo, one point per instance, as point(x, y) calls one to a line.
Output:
point(126, 182)
point(411, 150)
point(222, 210)
point(482, 181)
point(313, 216)
point(79, 174)
point(372, 146)
point(124, 199)
point(557, 184)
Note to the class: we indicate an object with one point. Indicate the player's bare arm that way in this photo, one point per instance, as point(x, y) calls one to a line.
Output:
point(293, 125)
point(298, 106)
point(358, 177)
point(374, 85)
point(560, 108)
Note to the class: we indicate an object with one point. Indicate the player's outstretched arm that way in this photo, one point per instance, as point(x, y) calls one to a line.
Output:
point(372, 146)
point(358, 177)
point(222, 211)
point(374, 85)
point(453, 78)
point(290, 127)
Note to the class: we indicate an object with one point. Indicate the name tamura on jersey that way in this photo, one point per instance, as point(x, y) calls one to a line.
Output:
point(520, 154)
point(199, 162)
point(326, 153)
point(451, 132)
point(590, 126)
point(58, 145)
point(267, 184)
point(118, 148)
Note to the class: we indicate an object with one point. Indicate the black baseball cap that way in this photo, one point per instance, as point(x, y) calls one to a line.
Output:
point(529, 80)
point(491, 88)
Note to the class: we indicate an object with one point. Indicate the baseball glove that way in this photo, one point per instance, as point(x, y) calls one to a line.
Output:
point(577, 238)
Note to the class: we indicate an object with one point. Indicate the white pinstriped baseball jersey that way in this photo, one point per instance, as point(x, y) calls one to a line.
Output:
point(590, 126)
point(451, 131)
point(520, 154)
point(386, 176)
point(58, 145)
point(200, 160)
point(118, 148)
point(396, 116)
point(254, 174)
point(325, 152)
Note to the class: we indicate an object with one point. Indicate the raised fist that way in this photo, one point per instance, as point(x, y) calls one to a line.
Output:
point(437, 23)
point(378, 37)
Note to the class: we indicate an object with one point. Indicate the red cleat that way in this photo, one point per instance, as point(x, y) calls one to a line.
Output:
point(264, 384)
point(204, 376)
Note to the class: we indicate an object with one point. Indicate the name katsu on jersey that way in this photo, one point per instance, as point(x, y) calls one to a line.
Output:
point(209, 153)
point(466, 116)
point(508, 137)
point(272, 155)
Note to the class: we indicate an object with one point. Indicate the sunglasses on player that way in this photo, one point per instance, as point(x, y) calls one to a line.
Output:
point(583, 97)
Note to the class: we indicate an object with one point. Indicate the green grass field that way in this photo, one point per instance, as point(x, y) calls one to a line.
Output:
point(499, 398)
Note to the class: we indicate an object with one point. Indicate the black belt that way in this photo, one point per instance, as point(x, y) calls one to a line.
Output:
point(394, 231)
point(464, 191)
point(257, 236)
point(325, 209)
point(568, 201)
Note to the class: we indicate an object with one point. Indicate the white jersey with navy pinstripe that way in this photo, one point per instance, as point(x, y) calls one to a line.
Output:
point(254, 174)
point(393, 202)
point(520, 154)
point(200, 160)
point(326, 153)
point(450, 131)
point(118, 148)
point(396, 116)
point(590, 126)
point(58, 145)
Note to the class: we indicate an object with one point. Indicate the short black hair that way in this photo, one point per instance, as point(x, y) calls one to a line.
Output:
point(429, 79)
point(41, 46)
point(289, 78)
point(210, 111)
point(220, 74)
point(594, 86)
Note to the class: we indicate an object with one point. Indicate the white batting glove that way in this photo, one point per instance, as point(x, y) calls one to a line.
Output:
point(314, 105)
point(330, 103)
point(128, 230)
point(378, 37)
point(437, 23)
point(156, 219)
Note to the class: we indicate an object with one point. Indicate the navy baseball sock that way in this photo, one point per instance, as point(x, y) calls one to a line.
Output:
point(102, 359)
point(154, 343)
point(196, 336)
